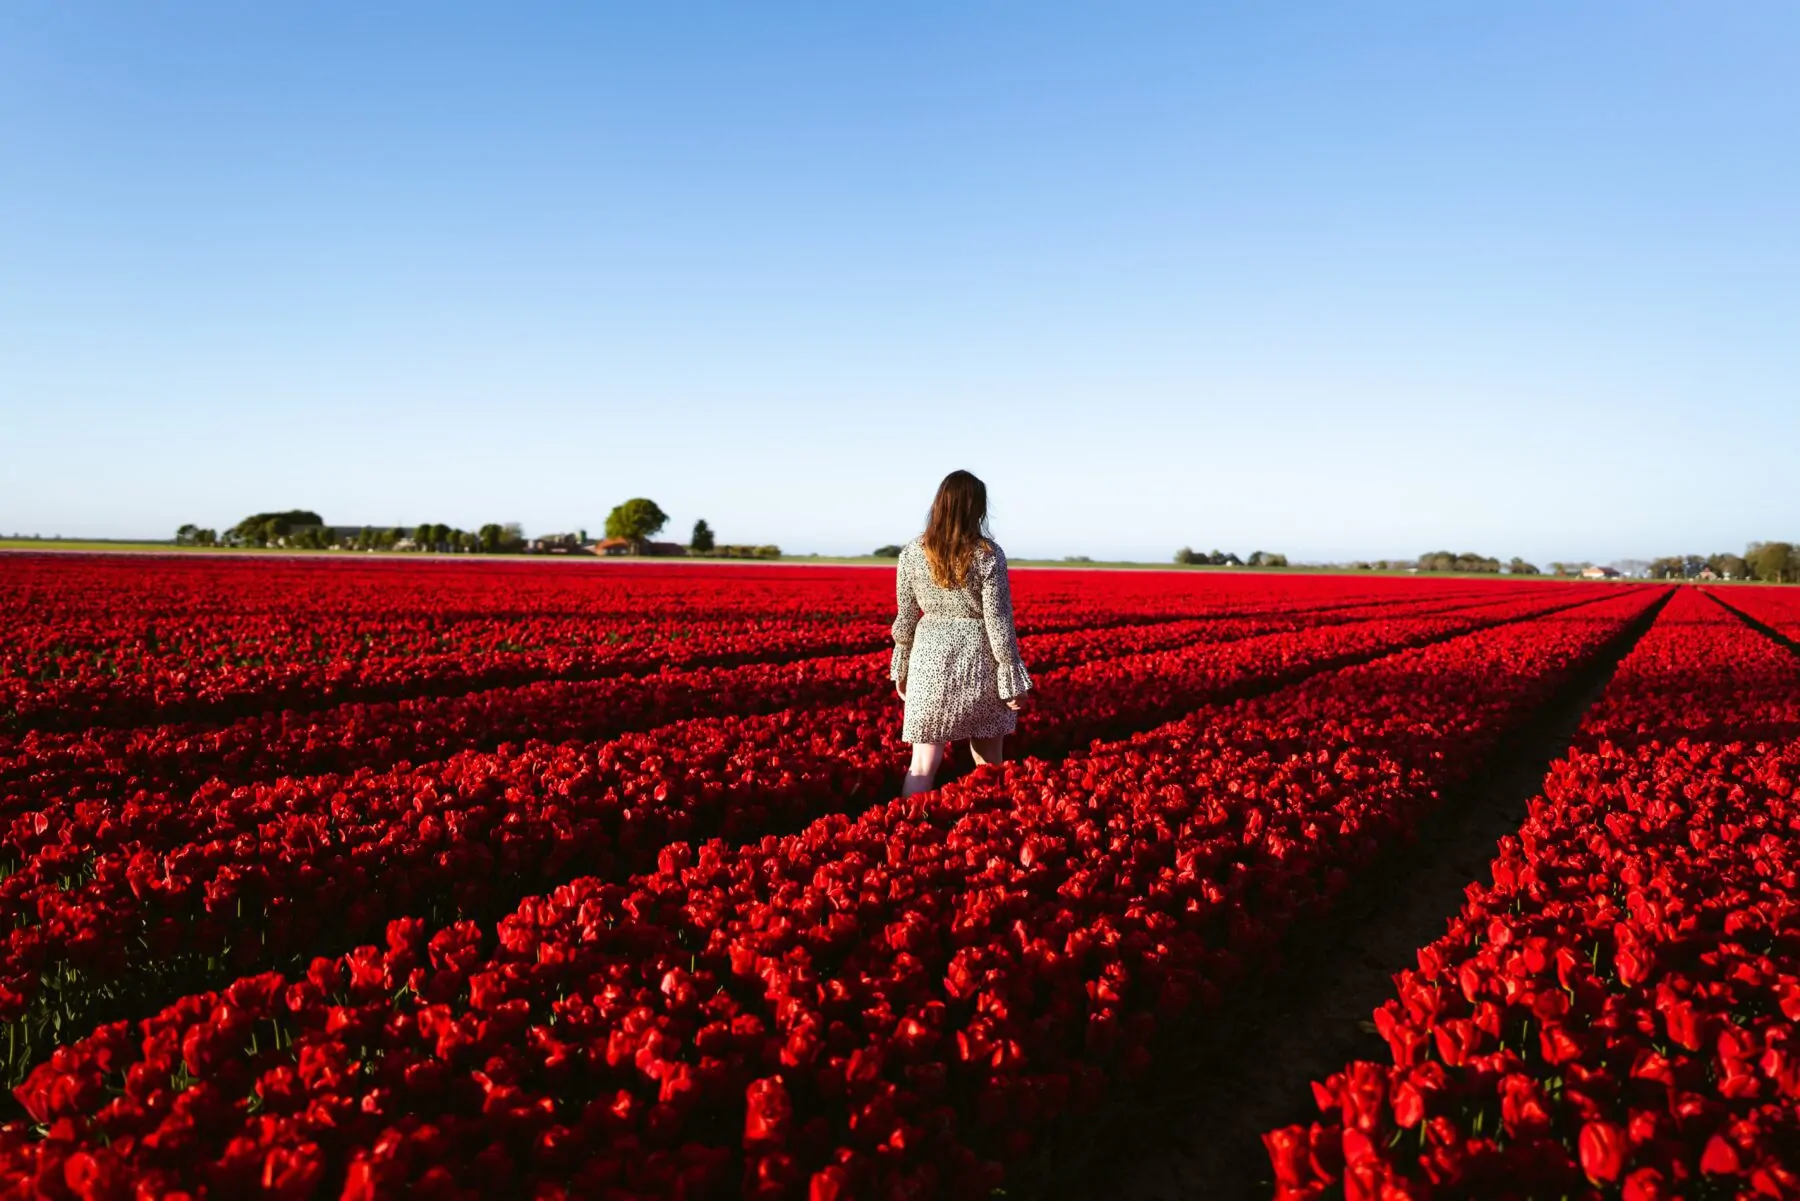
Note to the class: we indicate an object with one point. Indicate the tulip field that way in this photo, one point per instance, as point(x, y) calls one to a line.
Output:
point(346, 877)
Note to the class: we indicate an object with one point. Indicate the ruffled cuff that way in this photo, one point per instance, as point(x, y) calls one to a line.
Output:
point(1015, 681)
point(897, 670)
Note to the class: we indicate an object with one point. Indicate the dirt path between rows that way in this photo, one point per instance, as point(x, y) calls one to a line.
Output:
point(1193, 1130)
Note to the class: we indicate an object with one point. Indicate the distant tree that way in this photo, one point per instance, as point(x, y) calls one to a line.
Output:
point(1187, 555)
point(637, 519)
point(365, 538)
point(186, 534)
point(467, 542)
point(206, 537)
point(890, 551)
point(1519, 566)
point(1263, 558)
point(513, 537)
point(421, 537)
point(1691, 566)
point(1437, 560)
point(515, 525)
point(385, 539)
point(1773, 562)
point(702, 539)
point(1669, 567)
point(440, 536)
point(492, 537)
point(1631, 568)
point(1477, 564)
point(1730, 566)
point(1469, 561)
point(262, 529)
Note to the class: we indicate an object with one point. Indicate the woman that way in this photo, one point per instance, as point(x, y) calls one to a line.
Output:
point(957, 667)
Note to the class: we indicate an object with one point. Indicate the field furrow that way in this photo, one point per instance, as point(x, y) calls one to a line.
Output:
point(1615, 1010)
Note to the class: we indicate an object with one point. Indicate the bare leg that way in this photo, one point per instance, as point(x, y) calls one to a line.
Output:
point(927, 758)
point(988, 750)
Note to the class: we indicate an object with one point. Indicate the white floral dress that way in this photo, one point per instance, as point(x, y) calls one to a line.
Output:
point(956, 650)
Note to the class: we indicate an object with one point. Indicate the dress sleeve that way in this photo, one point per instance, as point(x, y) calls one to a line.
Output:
point(996, 611)
point(906, 618)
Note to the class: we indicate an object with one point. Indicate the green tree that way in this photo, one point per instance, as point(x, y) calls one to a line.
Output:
point(260, 529)
point(702, 539)
point(1730, 566)
point(440, 536)
point(1519, 566)
point(186, 534)
point(492, 538)
point(1437, 560)
point(1773, 562)
point(891, 551)
point(637, 519)
point(1187, 555)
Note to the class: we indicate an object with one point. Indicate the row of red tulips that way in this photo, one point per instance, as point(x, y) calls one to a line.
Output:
point(368, 664)
point(79, 594)
point(895, 1005)
point(106, 762)
point(180, 659)
point(1776, 608)
point(111, 903)
point(1615, 1014)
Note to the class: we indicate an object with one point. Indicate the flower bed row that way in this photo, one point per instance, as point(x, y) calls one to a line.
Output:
point(372, 664)
point(76, 654)
point(113, 903)
point(108, 762)
point(1615, 1014)
point(1777, 608)
point(895, 1005)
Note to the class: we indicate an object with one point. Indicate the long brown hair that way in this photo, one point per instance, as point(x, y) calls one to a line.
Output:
point(956, 527)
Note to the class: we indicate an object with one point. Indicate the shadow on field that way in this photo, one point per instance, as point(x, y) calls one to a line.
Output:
point(1192, 1130)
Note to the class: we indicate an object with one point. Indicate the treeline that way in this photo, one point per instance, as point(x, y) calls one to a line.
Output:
point(1770, 562)
point(302, 529)
point(1468, 561)
point(1188, 556)
point(703, 542)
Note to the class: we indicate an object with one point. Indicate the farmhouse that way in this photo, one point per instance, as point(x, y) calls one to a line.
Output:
point(1599, 573)
point(630, 546)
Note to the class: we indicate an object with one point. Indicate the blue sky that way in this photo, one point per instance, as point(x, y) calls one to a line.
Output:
point(1338, 280)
